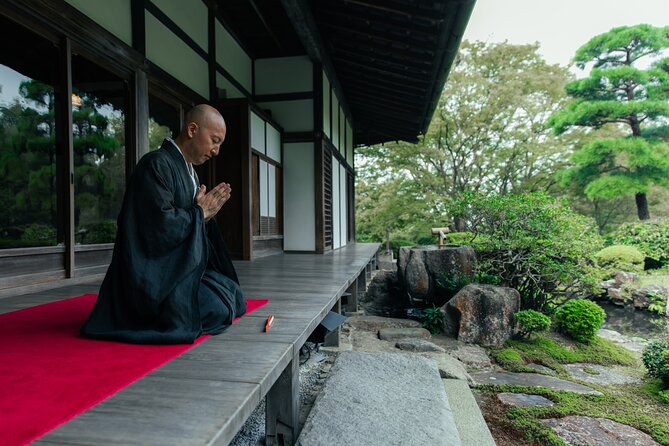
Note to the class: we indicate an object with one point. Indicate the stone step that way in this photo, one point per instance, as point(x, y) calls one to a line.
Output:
point(469, 420)
point(381, 399)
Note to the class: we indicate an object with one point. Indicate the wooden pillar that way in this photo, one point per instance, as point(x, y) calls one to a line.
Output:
point(353, 298)
point(282, 406)
point(332, 338)
point(361, 281)
point(64, 159)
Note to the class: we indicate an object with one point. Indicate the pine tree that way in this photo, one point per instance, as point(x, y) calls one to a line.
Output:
point(625, 90)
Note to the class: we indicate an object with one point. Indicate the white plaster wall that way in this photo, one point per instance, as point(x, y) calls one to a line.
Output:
point(189, 16)
point(114, 16)
point(172, 55)
point(232, 57)
point(342, 135)
point(349, 143)
point(299, 197)
point(264, 202)
point(292, 116)
point(335, 121)
point(284, 75)
point(231, 91)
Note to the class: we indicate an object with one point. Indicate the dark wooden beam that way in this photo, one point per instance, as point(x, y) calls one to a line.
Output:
point(398, 10)
point(268, 28)
point(138, 18)
point(394, 40)
point(377, 25)
point(391, 73)
point(211, 50)
point(378, 60)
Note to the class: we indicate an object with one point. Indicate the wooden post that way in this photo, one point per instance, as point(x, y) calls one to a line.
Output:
point(353, 298)
point(283, 405)
point(362, 283)
point(332, 338)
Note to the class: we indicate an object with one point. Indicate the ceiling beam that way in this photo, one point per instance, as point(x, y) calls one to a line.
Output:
point(385, 7)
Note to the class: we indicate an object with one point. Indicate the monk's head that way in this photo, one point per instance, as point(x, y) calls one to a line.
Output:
point(202, 135)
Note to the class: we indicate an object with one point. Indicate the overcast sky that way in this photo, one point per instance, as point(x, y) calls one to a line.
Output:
point(560, 26)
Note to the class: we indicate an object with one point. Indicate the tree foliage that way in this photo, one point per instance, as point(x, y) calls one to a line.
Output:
point(487, 134)
point(619, 92)
point(534, 243)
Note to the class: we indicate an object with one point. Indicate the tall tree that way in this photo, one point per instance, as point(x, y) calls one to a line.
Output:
point(487, 134)
point(624, 90)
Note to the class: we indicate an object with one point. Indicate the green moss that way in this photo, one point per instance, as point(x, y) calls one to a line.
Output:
point(547, 351)
point(590, 371)
point(626, 404)
point(509, 358)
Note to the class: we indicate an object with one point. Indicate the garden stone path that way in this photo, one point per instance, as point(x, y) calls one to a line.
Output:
point(531, 380)
point(602, 375)
point(524, 400)
point(597, 432)
point(634, 344)
point(473, 355)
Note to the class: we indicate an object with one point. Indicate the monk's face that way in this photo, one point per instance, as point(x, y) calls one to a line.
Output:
point(206, 140)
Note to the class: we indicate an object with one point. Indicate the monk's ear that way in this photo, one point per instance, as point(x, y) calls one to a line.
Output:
point(192, 129)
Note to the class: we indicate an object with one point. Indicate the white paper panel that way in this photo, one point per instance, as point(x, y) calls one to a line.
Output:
point(342, 200)
point(264, 204)
point(257, 133)
point(336, 219)
point(273, 143)
point(299, 197)
point(342, 141)
point(292, 116)
point(271, 190)
point(349, 144)
point(113, 16)
point(326, 105)
point(232, 57)
point(335, 120)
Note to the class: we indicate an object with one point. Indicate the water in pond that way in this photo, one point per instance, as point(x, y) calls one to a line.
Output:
point(635, 322)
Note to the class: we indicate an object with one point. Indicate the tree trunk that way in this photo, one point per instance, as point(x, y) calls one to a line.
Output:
point(642, 206)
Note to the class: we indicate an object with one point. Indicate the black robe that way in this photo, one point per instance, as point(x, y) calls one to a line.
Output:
point(171, 278)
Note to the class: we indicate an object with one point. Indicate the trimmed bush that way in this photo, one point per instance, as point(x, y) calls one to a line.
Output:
point(579, 319)
point(533, 243)
point(656, 359)
point(620, 258)
point(652, 238)
point(529, 322)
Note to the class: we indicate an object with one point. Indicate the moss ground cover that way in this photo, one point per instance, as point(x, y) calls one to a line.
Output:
point(638, 405)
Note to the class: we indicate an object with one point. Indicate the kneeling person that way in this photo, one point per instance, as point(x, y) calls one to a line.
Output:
point(171, 278)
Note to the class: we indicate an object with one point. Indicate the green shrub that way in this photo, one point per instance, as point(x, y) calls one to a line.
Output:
point(39, 234)
point(579, 319)
point(656, 359)
point(652, 238)
point(620, 258)
point(459, 238)
point(433, 320)
point(528, 322)
point(534, 243)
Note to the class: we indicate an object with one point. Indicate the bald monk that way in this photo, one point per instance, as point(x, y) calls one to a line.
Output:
point(171, 278)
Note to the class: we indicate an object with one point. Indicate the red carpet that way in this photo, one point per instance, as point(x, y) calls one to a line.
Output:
point(49, 374)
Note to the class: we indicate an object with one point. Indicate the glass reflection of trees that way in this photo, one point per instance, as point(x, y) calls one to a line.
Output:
point(28, 205)
point(98, 131)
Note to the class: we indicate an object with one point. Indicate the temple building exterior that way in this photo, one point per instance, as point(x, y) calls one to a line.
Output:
point(88, 87)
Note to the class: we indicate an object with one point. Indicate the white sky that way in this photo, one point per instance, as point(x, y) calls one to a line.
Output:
point(560, 26)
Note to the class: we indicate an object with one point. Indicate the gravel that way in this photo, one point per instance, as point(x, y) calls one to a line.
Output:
point(314, 367)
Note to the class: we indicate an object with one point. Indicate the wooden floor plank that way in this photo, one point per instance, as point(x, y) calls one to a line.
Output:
point(205, 395)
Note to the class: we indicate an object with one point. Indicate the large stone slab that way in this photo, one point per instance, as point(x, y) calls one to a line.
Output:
point(482, 314)
point(449, 367)
point(524, 400)
point(376, 323)
point(576, 429)
point(396, 334)
point(418, 345)
point(381, 399)
point(531, 380)
point(468, 418)
point(599, 374)
point(473, 356)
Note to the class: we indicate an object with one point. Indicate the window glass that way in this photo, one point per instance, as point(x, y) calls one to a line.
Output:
point(164, 121)
point(98, 131)
point(28, 197)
